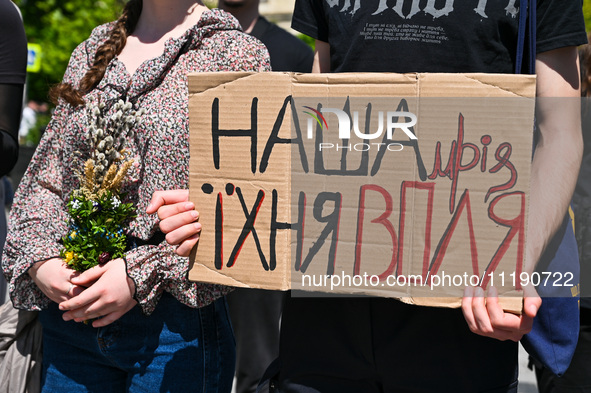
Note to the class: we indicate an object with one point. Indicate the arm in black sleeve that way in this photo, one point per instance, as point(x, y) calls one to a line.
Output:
point(13, 65)
point(11, 101)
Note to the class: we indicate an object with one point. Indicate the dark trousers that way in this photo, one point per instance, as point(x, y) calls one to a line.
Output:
point(255, 315)
point(577, 378)
point(382, 345)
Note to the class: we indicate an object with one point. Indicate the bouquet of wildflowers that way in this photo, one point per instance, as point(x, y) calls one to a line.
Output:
point(97, 213)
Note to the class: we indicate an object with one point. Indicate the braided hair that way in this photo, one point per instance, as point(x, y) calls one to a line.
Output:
point(104, 54)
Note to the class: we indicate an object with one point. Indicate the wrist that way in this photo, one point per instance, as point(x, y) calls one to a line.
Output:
point(33, 270)
point(37, 265)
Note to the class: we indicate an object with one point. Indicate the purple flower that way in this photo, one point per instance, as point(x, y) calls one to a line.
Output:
point(104, 258)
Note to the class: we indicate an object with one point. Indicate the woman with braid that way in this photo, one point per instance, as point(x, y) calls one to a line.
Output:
point(134, 324)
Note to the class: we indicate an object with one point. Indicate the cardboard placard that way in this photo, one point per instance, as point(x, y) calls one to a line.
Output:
point(397, 185)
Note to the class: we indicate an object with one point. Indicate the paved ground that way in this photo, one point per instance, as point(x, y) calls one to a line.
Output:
point(527, 378)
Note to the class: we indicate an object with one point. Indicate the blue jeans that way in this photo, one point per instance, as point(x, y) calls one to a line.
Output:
point(176, 349)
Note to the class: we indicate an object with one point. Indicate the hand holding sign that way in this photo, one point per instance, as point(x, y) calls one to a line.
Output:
point(486, 317)
point(178, 218)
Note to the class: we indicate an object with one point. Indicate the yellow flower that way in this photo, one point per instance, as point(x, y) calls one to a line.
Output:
point(69, 256)
point(73, 234)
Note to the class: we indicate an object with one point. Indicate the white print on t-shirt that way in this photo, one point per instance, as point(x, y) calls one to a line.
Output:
point(404, 32)
point(429, 9)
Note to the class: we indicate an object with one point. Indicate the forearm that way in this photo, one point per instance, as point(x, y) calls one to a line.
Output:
point(559, 149)
point(321, 57)
point(554, 173)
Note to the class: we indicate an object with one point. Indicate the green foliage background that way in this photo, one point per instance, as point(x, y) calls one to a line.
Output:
point(59, 26)
point(587, 14)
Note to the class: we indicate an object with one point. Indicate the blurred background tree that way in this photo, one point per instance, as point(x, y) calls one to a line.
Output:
point(587, 13)
point(59, 26)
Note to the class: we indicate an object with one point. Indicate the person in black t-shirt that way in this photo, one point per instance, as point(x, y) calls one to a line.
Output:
point(399, 347)
point(255, 313)
point(382, 345)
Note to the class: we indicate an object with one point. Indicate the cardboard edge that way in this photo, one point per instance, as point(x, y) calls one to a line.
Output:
point(214, 80)
point(201, 273)
point(357, 78)
point(450, 84)
point(510, 304)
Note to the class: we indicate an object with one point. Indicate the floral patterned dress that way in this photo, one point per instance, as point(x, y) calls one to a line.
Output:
point(160, 147)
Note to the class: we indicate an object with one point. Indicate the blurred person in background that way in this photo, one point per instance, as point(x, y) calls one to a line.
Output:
point(288, 53)
point(29, 118)
point(13, 71)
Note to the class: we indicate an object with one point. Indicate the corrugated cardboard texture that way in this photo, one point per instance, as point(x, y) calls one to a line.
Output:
point(247, 183)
